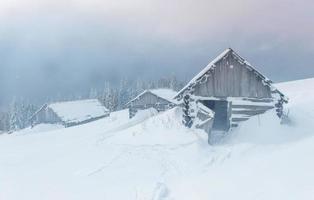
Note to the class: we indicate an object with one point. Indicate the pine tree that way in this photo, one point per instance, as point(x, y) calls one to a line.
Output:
point(133, 91)
point(110, 97)
point(139, 86)
point(93, 94)
point(124, 94)
point(105, 95)
point(14, 122)
point(163, 83)
point(2, 122)
point(110, 100)
point(114, 100)
point(22, 113)
point(187, 118)
point(29, 112)
point(151, 85)
point(173, 83)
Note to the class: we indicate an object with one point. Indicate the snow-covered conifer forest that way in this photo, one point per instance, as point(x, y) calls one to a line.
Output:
point(20, 110)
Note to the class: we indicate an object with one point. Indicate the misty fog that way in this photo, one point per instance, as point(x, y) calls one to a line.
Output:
point(60, 47)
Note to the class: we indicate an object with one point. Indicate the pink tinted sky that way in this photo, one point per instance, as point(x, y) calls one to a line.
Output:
point(178, 20)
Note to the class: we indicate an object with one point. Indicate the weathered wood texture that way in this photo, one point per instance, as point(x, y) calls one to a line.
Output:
point(205, 120)
point(47, 116)
point(231, 78)
point(243, 110)
point(149, 100)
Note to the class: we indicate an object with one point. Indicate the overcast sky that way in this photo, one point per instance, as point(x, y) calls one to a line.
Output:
point(47, 46)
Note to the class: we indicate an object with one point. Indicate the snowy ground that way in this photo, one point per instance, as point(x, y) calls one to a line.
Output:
point(156, 158)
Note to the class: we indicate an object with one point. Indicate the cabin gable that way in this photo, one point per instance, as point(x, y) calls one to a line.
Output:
point(231, 78)
point(148, 99)
point(46, 115)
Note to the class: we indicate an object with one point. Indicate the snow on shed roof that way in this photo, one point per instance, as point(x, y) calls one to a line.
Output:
point(79, 111)
point(165, 93)
point(218, 58)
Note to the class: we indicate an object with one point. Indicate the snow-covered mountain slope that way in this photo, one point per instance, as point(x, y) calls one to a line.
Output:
point(152, 156)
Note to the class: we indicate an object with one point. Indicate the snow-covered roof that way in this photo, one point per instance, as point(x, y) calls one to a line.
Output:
point(212, 64)
point(164, 93)
point(78, 111)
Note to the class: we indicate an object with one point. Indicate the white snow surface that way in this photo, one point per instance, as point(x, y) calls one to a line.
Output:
point(40, 128)
point(78, 111)
point(165, 93)
point(152, 156)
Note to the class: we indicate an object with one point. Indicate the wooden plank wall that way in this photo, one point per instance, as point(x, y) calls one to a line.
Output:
point(231, 78)
point(148, 100)
point(244, 109)
point(47, 116)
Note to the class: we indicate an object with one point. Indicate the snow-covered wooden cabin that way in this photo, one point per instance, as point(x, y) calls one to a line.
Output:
point(160, 99)
point(233, 89)
point(70, 113)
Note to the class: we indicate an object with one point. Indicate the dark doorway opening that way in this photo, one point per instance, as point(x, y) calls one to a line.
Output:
point(222, 113)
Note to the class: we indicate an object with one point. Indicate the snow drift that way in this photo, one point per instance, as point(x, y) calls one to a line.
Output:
point(152, 156)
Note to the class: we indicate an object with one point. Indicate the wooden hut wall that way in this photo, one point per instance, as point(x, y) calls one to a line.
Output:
point(47, 116)
point(230, 78)
point(148, 99)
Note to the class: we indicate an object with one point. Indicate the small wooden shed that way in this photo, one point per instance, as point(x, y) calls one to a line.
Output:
point(160, 99)
point(70, 113)
point(234, 90)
